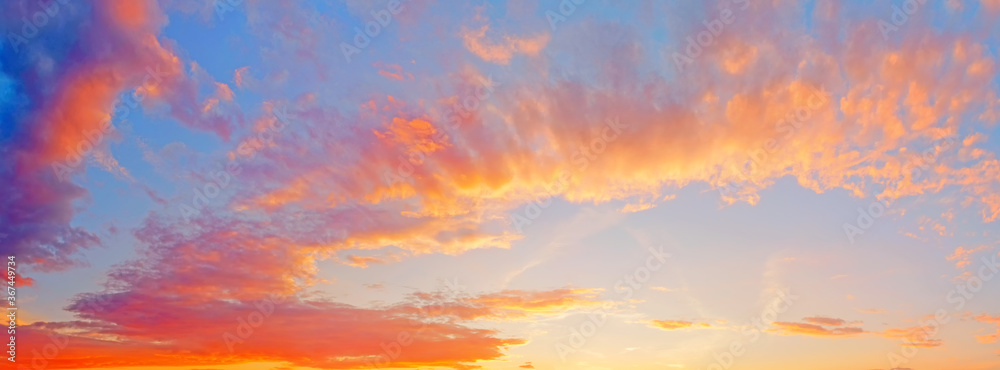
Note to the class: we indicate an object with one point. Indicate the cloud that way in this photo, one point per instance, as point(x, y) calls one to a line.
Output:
point(816, 326)
point(208, 277)
point(826, 321)
point(446, 181)
point(676, 324)
point(392, 71)
point(587, 121)
point(242, 77)
point(503, 50)
point(73, 97)
point(636, 207)
point(363, 261)
point(506, 305)
point(989, 338)
point(341, 336)
point(915, 336)
point(962, 256)
point(663, 289)
point(987, 318)
point(871, 310)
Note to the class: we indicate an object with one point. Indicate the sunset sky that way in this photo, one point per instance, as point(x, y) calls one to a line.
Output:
point(574, 184)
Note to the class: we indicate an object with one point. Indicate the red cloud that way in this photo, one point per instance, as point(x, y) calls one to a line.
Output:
point(157, 330)
point(225, 291)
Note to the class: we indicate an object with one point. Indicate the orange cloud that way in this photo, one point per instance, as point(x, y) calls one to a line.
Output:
point(341, 336)
point(133, 16)
point(962, 255)
point(676, 324)
point(505, 305)
point(871, 310)
point(359, 261)
point(228, 270)
point(240, 76)
point(815, 326)
point(80, 108)
point(501, 52)
point(826, 321)
point(916, 336)
point(989, 338)
point(416, 135)
point(392, 71)
point(864, 131)
point(987, 318)
point(223, 91)
point(738, 58)
point(636, 207)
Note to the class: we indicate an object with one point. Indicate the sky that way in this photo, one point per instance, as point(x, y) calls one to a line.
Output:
point(574, 184)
